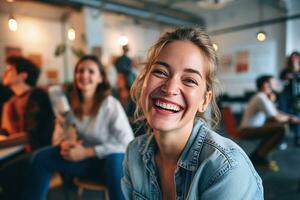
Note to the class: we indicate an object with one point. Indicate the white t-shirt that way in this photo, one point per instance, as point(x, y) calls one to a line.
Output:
point(258, 110)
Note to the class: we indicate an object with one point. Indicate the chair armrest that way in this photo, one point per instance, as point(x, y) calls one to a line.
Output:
point(14, 140)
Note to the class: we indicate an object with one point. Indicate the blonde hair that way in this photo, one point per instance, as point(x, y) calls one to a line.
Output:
point(199, 38)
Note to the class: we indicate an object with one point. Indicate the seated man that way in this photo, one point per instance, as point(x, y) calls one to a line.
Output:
point(261, 119)
point(29, 112)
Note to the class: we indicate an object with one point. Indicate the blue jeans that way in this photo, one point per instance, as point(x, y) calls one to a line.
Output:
point(285, 103)
point(48, 160)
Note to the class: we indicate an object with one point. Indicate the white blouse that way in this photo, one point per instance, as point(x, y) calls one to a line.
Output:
point(109, 131)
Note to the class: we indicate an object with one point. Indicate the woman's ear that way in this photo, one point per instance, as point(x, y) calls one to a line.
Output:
point(206, 100)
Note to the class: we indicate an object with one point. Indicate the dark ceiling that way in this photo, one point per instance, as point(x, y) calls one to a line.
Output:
point(187, 12)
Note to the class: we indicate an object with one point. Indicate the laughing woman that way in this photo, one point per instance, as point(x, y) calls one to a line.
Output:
point(102, 128)
point(181, 157)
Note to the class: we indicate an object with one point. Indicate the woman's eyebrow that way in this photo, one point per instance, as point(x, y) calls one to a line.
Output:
point(190, 70)
point(162, 63)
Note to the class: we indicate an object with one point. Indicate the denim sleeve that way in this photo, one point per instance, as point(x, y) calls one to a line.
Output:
point(235, 181)
point(126, 181)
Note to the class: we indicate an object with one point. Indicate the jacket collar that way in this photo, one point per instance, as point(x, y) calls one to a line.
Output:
point(189, 158)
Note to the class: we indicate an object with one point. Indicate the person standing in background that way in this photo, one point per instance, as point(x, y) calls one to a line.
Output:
point(124, 65)
point(122, 93)
point(286, 100)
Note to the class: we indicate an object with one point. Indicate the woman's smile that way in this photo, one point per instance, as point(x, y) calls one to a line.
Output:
point(165, 106)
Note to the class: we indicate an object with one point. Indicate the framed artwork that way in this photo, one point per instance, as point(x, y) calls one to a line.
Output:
point(52, 75)
point(226, 63)
point(242, 61)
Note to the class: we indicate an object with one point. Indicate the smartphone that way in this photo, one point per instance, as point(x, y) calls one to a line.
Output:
point(60, 105)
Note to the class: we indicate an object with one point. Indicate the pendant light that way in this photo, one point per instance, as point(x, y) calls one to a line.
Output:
point(261, 35)
point(12, 23)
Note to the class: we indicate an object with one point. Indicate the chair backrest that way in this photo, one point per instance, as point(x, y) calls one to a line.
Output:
point(90, 185)
point(229, 122)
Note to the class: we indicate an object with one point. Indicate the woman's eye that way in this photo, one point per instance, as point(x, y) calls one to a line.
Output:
point(190, 81)
point(160, 73)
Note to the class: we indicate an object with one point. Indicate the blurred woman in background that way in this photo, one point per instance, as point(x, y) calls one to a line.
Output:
point(288, 101)
point(102, 131)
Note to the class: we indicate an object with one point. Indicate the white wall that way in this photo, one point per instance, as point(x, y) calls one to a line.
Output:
point(140, 37)
point(39, 33)
point(293, 28)
point(264, 57)
point(77, 22)
point(34, 35)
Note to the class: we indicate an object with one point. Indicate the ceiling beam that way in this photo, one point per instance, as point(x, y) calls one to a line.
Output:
point(254, 25)
point(146, 11)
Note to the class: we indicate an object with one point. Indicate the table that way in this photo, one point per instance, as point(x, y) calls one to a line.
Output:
point(10, 151)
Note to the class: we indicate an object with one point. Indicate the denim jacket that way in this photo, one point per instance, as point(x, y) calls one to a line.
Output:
point(210, 167)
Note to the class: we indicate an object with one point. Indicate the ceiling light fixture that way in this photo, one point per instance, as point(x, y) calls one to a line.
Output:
point(261, 35)
point(123, 40)
point(213, 4)
point(71, 34)
point(12, 24)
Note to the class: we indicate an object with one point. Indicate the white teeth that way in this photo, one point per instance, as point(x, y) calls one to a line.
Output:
point(167, 106)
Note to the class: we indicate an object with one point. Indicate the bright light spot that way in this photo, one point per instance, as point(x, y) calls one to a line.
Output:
point(12, 24)
point(71, 34)
point(261, 36)
point(123, 40)
point(215, 46)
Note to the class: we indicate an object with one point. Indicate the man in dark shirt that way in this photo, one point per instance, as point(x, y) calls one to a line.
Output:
point(28, 112)
point(124, 65)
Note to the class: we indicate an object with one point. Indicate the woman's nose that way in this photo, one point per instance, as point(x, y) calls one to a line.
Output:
point(171, 86)
point(84, 74)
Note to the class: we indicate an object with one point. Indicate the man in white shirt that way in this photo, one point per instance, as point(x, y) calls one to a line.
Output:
point(261, 120)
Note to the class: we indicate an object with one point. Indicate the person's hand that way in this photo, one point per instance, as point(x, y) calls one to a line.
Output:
point(60, 119)
point(65, 146)
point(62, 133)
point(289, 76)
point(58, 133)
point(294, 119)
point(71, 133)
point(73, 151)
